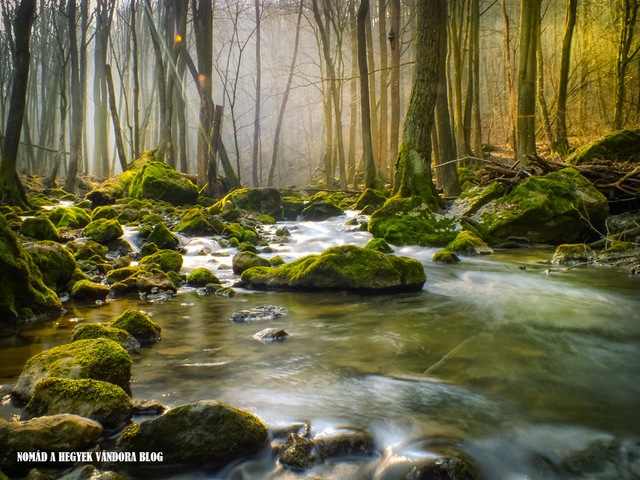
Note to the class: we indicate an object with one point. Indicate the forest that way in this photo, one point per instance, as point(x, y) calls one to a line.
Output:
point(341, 239)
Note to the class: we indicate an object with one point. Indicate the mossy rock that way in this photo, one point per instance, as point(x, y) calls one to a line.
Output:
point(89, 250)
point(255, 200)
point(379, 245)
point(129, 216)
point(200, 277)
point(370, 197)
point(70, 217)
point(247, 247)
point(105, 211)
point(234, 230)
point(55, 433)
point(445, 256)
point(244, 260)
point(321, 210)
point(265, 219)
point(103, 230)
point(620, 247)
point(166, 260)
point(55, 262)
point(573, 253)
point(476, 197)
point(468, 244)
point(152, 219)
point(99, 359)
point(103, 402)
point(346, 267)
point(139, 325)
point(276, 261)
point(158, 181)
point(87, 290)
point(23, 292)
point(163, 238)
point(409, 221)
point(40, 228)
point(120, 274)
point(250, 236)
point(560, 207)
point(298, 453)
point(96, 330)
point(292, 207)
point(194, 223)
point(156, 280)
point(619, 146)
point(201, 433)
point(148, 249)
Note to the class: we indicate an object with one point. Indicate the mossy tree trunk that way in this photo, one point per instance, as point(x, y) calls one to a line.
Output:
point(413, 165)
point(394, 46)
point(11, 188)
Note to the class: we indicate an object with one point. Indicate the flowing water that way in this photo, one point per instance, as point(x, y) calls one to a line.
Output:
point(518, 367)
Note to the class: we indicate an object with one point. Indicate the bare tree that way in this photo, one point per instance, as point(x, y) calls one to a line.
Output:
point(367, 144)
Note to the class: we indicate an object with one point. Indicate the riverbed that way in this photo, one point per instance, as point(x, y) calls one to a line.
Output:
point(517, 362)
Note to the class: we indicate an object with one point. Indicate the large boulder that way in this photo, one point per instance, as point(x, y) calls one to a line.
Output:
point(70, 217)
point(103, 402)
point(23, 292)
point(99, 359)
point(139, 325)
point(158, 181)
point(199, 433)
point(201, 277)
point(410, 221)
point(346, 267)
point(163, 238)
point(55, 262)
point(560, 207)
point(619, 146)
point(255, 200)
point(573, 253)
point(56, 433)
point(103, 230)
point(40, 228)
point(194, 222)
point(88, 331)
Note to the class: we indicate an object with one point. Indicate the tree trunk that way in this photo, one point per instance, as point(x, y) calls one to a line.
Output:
point(628, 20)
point(413, 167)
point(212, 170)
point(509, 76)
point(526, 124)
point(475, 67)
point(115, 118)
point(383, 139)
point(256, 118)
point(367, 144)
point(456, 38)
point(394, 45)
point(353, 94)
point(285, 98)
point(563, 83)
point(542, 101)
point(12, 190)
point(136, 82)
point(373, 98)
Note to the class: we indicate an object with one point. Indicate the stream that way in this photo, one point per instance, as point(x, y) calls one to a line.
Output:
point(518, 362)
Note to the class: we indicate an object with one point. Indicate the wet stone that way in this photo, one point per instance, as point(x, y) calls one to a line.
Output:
point(147, 407)
point(261, 313)
point(269, 335)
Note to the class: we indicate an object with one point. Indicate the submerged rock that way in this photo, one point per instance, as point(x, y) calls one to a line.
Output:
point(298, 453)
point(573, 253)
point(54, 433)
point(139, 325)
point(269, 335)
point(345, 267)
point(199, 433)
point(261, 313)
point(98, 359)
point(103, 402)
point(23, 293)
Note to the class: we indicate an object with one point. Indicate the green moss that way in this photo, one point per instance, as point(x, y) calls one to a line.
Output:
point(96, 330)
point(201, 277)
point(445, 256)
point(619, 146)
point(101, 401)
point(98, 359)
point(256, 200)
point(105, 211)
point(319, 210)
point(167, 260)
point(194, 223)
point(56, 263)
point(154, 280)
point(379, 245)
point(619, 247)
point(139, 325)
point(347, 267)
point(474, 198)
point(234, 230)
point(409, 221)
point(148, 249)
point(152, 219)
point(103, 230)
point(120, 274)
point(245, 260)
point(467, 177)
point(292, 207)
point(87, 290)
point(70, 217)
point(163, 238)
point(469, 244)
point(91, 249)
point(266, 219)
point(571, 253)
point(40, 228)
point(176, 278)
point(250, 236)
point(276, 261)
point(158, 181)
point(23, 292)
point(370, 197)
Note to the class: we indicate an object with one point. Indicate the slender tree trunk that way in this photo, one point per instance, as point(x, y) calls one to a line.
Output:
point(542, 101)
point(367, 143)
point(475, 66)
point(77, 107)
point(256, 118)
point(628, 20)
point(563, 82)
point(10, 185)
point(383, 139)
point(136, 82)
point(413, 168)
point(526, 125)
point(394, 45)
point(285, 98)
point(115, 118)
point(373, 97)
point(455, 27)
point(509, 76)
point(353, 94)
